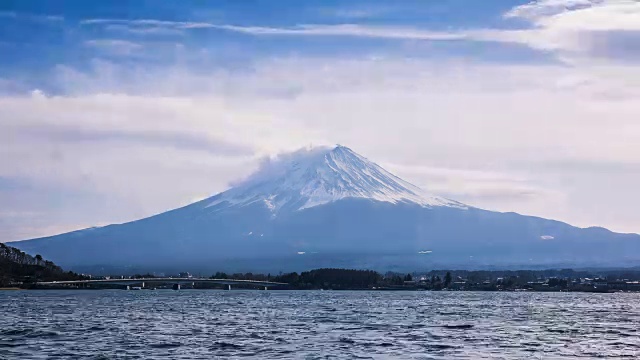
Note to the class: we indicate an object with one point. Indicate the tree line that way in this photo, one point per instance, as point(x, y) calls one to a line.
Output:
point(17, 267)
point(328, 278)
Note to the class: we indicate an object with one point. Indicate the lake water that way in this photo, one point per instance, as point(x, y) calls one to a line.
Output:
point(201, 324)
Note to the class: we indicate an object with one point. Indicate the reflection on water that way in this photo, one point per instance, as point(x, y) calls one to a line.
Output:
point(203, 324)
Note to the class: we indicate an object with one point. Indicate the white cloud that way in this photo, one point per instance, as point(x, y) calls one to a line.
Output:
point(574, 27)
point(486, 134)
point(540, 9)
point(145, 139)
point(575, 30)
point(38, 94)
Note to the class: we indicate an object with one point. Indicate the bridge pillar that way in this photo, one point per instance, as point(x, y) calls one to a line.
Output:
point(128, 288)
point(143, 284)
point(265, 288)
point(176, 286)
point(229, 286)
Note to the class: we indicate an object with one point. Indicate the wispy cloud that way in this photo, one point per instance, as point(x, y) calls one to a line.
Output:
point(475, 186)
point(53, 17)
point(143, 30)
point(29, 16)
point(18, 214)
point(357, 13)
point(361, 12)
point(349, 30)
point(178, 140)
point(301, 30)
point(114, 46)
point(571, 28)
point(147, 22)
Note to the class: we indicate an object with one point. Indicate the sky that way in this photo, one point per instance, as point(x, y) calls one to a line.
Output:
point(112, 111)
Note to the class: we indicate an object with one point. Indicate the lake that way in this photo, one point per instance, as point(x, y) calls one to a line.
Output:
point(205, 324)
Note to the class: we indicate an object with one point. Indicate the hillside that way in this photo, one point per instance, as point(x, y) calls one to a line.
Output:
point(18, 267)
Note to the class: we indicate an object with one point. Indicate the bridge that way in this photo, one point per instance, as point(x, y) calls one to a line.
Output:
point(177, 282)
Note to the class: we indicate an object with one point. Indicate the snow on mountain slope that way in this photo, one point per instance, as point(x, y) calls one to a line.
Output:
point(308, 178)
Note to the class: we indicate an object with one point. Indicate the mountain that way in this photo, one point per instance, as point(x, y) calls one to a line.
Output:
point(330, 207)
point(309, 178)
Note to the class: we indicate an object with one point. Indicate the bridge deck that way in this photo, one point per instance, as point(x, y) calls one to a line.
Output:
point(165, 280)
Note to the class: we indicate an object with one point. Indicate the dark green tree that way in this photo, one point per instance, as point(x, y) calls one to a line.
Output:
point(447, 279)
point(220, 275)
point(38, 259)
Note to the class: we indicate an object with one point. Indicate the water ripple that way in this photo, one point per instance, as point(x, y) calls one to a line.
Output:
point(193, 324)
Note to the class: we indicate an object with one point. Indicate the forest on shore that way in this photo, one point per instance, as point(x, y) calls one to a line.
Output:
point(19, 269)
point(481, 280)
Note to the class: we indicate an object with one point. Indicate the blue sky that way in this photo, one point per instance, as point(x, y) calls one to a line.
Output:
point(116, 110)
point(39, 34)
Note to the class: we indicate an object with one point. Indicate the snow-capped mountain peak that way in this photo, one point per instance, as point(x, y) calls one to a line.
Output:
point(265, 221)
point(317, 176)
